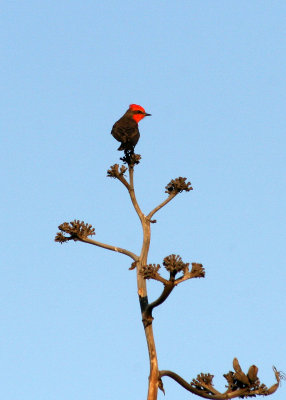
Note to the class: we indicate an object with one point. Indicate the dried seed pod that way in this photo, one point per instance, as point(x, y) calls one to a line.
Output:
point(236, 365)
point(241, 377)
point(252, 373)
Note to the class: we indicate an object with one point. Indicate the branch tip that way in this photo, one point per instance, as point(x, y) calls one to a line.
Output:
point(133, 265)
point(178, 185)
point(175, 264)
point(197, 271)
point(115, 172)
point(160, 385)
point(76, 230)
point(130, 158)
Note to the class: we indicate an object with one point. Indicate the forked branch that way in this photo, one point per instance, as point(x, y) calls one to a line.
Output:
point(174, 265)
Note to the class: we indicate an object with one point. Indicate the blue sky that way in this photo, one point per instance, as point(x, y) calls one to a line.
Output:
point(212, 73)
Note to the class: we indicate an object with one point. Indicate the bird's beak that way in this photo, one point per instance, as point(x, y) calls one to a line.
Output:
point(147, 115)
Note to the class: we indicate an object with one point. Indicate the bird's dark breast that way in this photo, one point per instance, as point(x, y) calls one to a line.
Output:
point(126, 131)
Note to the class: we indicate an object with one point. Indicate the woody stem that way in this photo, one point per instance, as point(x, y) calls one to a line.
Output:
point(142, 293)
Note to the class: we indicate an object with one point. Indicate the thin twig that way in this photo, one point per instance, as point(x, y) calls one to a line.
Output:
point(132, 194)
point(164, 295)
point(169, 198)
point(109, 247)
point(124, 181)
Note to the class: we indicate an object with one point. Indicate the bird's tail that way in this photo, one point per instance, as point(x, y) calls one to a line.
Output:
point(126, 147)
point(121, 147)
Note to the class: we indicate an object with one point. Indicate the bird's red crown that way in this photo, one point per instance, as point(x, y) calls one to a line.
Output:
point(136, 107)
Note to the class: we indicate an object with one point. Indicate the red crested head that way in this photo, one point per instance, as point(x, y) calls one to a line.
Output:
point(138, 112)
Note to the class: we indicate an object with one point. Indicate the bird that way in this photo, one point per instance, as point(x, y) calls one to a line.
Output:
point(126, 131)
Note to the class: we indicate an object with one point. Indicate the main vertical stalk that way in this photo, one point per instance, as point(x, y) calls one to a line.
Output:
point(142, 293)
point(143, 299)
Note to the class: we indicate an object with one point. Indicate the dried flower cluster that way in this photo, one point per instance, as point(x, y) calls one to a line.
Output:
point(76, 229)
point(150, 271)
point(178, 185)
point(115, 172)
point(197, 271)
point(203, 382)
point(175, 264)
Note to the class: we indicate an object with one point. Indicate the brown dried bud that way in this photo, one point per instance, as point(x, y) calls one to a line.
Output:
point(252, 373)
point(236, 365)
point(178, 185)
point(241, 377)
point(133, 266)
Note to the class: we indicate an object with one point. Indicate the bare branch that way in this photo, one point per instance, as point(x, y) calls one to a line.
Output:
point(115, 172)
point(132, 193)
point(174, 187)
point(164, 295)
point(147, 313)
point(110, 247)
point(169, 198)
